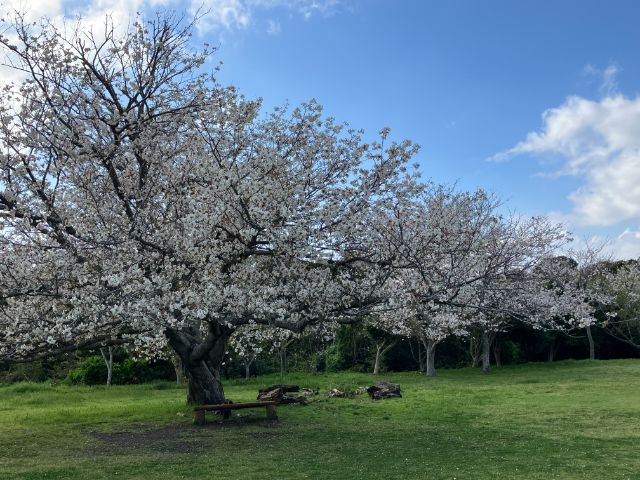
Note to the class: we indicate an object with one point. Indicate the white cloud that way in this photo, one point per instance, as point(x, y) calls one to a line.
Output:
point(599, 143)
point(93, 15)
point(222, 14)
point(624, 246)
point(607, 77)
point(32, 9)
point(230, 15)
point(219, 15)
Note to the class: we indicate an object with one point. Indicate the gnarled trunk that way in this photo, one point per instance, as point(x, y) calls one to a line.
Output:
point(205, 387)
point(201, 360)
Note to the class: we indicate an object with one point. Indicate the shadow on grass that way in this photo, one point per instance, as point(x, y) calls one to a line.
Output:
point(175, 437)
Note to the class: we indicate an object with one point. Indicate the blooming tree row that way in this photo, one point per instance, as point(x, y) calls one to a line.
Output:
point(143, 203)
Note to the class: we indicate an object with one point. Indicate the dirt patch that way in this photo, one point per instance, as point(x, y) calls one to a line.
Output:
point(174, 438)
point(147, 439)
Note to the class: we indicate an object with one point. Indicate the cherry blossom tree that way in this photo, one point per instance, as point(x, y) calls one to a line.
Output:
point(247, 343)
point(621, 284)
point(143, 203)
point(461, 264)
point(567, 292)
point(589, 268)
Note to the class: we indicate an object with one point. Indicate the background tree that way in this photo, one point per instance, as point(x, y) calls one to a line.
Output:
point(458, 260)
point(621, 283)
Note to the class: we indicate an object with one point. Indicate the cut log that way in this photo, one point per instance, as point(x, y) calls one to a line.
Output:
point(382, 390)
point(309, 392)
point(337, 393)
point(284, 387)
point(278, 394)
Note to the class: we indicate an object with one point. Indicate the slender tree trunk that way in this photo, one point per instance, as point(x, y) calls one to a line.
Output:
point(177, 367)
point(108, 360)
point(592, 347)
point(247, 369)
point(202, 361)
point(553, 349)
point(486, 351)
point(420, 358)
point(354, 353)
point(376, 365)
point(283, 362)
point(474, 351)
point(380, 352)
point(496, 353)
point(430, 348)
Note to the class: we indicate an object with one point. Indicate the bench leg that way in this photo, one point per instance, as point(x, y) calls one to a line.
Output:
point(198, 418)
point(271, 411)
point(226, 414)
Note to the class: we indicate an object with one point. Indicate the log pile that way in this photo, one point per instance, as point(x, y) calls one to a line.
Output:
point(309, 392)
point(335, 393)
point(382, 390)
point(280, 394)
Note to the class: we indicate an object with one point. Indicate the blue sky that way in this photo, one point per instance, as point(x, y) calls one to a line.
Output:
point(468, 80)
point(464, 79)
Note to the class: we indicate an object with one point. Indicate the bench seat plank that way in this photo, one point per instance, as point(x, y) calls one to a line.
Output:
point(199, 410)
point(233, 406)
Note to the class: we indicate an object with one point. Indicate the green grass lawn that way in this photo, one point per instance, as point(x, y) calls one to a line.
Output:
point(539, 421)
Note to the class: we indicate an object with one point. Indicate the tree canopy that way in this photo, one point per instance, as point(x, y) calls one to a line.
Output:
point(142, 202)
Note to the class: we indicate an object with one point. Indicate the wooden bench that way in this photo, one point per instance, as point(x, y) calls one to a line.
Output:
point(226, 408)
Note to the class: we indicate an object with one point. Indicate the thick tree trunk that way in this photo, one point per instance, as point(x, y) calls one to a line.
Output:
point(205, 387)
point(202, 360)
point(486, 351)
point(430, 347)
point(108, 360)
point(592, 347)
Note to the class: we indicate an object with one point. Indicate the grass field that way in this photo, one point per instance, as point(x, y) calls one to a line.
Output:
point(578, 420)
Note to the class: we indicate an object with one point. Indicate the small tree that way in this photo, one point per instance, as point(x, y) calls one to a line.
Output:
point(107, 356)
